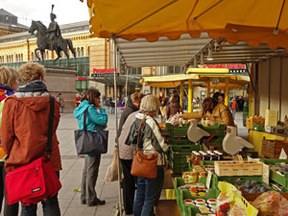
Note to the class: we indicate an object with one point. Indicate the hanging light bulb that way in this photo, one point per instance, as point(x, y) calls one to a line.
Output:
point(210, 57)
point(201, 58)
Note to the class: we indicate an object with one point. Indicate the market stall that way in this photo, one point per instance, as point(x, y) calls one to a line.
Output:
point(246, 23)
point(210, 78)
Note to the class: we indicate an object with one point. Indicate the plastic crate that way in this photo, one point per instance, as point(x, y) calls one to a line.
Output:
point(182, 194)
point(275, 175)
point(177, 131)
point(179, 181)
point(178, 167)
point(180, 156)
point(217, 130)
point(179, 141)
point(185, 148)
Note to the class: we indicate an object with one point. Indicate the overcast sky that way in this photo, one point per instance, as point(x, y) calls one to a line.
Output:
point(67, 11)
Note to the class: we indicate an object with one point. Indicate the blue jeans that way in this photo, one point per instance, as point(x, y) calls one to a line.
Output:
point(148, 193)
point(50, 207)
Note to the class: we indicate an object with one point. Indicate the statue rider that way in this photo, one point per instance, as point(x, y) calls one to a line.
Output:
point(54, 32)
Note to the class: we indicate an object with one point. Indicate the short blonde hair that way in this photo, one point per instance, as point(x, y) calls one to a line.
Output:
point(150, 103)
point(32, 71)
point(8, 76)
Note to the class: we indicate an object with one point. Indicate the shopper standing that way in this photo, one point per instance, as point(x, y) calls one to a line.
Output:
point(8, 84)
point(26, 140)
point(126, 152)
point(151, 141)
point(96, 118)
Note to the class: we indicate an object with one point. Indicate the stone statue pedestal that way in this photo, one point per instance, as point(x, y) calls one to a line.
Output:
point(60, 80)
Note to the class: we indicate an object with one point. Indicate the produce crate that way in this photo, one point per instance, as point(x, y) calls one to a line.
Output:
point(179, 181)
point(178, 167)
point(235, 168)
point(182, 194)
point(280, 178)
point(185, 148)
point(188, 210)
point(276, 176)
point(180, 156)
point(176, 131)
point(179, 141)
point(179, 161)
point(217, 130)
point(272, 148)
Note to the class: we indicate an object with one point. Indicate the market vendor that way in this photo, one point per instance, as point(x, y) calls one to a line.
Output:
point(221, 113)
point(218, 113)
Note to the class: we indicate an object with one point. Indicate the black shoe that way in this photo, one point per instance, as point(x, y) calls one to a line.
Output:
point(101, 202)
point(97, 202)
point(83, 202)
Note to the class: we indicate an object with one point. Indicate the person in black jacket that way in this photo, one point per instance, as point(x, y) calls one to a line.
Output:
point(133, 104)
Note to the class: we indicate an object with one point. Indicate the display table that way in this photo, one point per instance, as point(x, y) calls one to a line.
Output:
point(256, 137)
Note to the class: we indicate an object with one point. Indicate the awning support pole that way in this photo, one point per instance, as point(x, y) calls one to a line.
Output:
point(181, 93)
point(190, 95)
point(115, 64)
point(226, 100)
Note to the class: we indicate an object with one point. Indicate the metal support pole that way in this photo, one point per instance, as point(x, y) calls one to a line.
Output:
point(190, 97)
point(114, 50)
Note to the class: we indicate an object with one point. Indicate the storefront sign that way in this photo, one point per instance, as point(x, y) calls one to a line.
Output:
point(233, 68)
point(104, 72)
point(81, 78)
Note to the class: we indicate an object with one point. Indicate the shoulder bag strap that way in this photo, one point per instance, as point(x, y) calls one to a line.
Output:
point(84, 119)
point(140, 131)
point(50, 127)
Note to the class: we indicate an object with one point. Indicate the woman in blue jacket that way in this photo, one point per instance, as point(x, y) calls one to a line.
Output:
point(96, 118)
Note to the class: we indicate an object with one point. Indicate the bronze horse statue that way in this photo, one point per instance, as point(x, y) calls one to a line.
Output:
point(43, 42)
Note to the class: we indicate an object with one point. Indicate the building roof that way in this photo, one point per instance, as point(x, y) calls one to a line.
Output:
point(6, 13)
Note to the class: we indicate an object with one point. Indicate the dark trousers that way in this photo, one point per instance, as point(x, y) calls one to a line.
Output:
point(9, 210)
point(50, 207)
point(128, 184)
point(89, 178)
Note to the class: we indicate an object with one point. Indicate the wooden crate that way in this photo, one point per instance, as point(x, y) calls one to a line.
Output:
point(236, 168)
point(272, 148)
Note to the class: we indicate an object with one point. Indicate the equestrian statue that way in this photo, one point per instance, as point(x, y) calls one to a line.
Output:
point(50, 38)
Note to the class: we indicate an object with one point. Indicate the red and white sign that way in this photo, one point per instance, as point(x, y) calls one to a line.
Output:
point(229, 66)
point(104, 70)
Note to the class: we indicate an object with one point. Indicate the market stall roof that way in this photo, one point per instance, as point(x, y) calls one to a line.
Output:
point(133, 25)
point(216, 76)
point(252, 21)
point(141, 53)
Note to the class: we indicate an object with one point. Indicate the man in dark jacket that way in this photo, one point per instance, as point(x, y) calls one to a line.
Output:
point(133, 104)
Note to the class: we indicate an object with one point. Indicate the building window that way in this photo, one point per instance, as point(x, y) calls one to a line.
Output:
point(82, 51)
point(78, 52)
